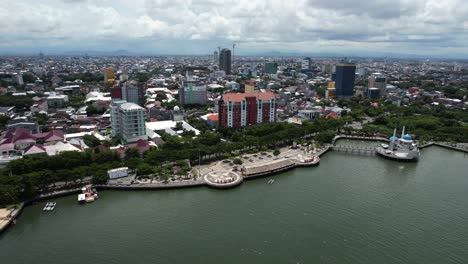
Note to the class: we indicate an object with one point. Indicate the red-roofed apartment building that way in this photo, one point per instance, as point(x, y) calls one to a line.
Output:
point(238, 110)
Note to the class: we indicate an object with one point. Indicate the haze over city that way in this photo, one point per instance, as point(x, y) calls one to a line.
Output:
point(155, 27)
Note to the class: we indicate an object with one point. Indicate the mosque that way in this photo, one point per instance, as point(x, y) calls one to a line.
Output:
point(403, 149)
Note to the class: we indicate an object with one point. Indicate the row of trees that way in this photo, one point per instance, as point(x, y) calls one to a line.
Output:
point(24, 178)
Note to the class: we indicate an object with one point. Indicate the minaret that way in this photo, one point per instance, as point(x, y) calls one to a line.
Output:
point(403, 132)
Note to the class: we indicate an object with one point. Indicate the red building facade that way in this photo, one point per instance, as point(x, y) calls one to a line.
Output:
point(239, 110)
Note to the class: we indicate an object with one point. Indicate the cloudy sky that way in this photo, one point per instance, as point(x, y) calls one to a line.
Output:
point(434, 27)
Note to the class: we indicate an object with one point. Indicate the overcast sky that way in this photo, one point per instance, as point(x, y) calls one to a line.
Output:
point(434, 27)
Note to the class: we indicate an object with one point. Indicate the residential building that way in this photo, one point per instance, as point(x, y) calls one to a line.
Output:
point(132, 93)
point(56, 101)
point(310, 114)
point(128, 121)
point(239, 110)
point(345, 77)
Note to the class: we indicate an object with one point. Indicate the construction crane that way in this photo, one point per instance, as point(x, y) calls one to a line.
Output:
point(233, 48)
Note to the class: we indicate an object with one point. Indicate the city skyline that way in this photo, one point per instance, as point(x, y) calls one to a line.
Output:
point(159, 27)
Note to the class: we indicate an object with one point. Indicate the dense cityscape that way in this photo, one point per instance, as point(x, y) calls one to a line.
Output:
point(141, 112)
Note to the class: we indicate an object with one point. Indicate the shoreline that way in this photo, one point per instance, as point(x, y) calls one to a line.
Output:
point(189, 183)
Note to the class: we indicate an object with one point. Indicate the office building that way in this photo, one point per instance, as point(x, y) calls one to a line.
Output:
point(306, 64)
point(128, 121)
point(271, 67)
point(378, 80)
point(344, 80)
point(225, 60)
point(238, 110)
point(109, 75)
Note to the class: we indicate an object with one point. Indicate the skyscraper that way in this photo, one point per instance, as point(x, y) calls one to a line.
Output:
point(225, 60)
point(344, 80)
point(306, 64)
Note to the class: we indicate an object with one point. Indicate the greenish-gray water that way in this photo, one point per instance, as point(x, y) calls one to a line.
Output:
point(350, 209)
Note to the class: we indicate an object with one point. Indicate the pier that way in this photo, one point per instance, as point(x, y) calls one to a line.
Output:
point(336, 138)
point(355, 150)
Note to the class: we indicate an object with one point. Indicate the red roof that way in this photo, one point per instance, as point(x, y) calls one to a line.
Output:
point(238, 97)
point(214, 117)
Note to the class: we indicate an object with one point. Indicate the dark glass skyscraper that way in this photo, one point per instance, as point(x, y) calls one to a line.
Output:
point(225, 60)
point(345, 76)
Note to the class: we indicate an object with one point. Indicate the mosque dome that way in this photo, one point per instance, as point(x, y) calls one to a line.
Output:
point(393, 139)
point(407, 137)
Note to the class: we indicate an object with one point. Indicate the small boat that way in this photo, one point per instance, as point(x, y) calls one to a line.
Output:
point(52, 206)
point(81, 198)
point(384, 146)
point(271, 181)
point(47, 207)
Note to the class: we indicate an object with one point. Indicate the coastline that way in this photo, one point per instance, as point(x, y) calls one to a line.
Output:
point(190, 183)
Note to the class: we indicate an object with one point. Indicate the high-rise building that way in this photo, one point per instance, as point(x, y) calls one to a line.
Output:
point(378, 80)
point(128, 121)
point(306, 64)
point(344, 80)
point(238, 110)
point(109, 75)
point(116, 93)
point(331, 91)
point(216, 56)
point(133, 93)
point(225, 60)
point(192, 92)
point(271, 67)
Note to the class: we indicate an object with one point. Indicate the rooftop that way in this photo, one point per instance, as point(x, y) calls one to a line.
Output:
point(238, 97)
point(131, 107)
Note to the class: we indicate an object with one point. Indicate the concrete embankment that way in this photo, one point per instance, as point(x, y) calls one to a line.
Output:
point(443, 145)
point(5, 223)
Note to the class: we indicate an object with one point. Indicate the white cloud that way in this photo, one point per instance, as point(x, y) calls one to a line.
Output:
point(275, 24)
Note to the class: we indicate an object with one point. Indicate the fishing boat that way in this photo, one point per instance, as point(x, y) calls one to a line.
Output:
point(88, 194)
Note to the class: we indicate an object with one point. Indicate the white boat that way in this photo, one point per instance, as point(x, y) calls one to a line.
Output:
point(81, 198)
point(46, 207)
point(384, 146)
point(271, 181)
point(52, 207)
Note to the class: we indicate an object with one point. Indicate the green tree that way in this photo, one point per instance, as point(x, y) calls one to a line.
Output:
point(91, 141)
